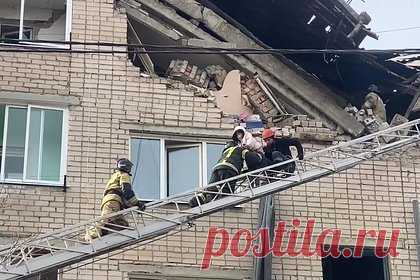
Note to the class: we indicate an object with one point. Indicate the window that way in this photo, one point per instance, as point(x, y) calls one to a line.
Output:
point(145, 154)
point(35, 19)
point(367, 267)
point(167, 167)
point(183, 167)
point(32, 143)
point(214, 152)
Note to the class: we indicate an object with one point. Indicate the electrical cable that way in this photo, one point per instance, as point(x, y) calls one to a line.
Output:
point(215, 51)
point(399, 29)
point(178, 49)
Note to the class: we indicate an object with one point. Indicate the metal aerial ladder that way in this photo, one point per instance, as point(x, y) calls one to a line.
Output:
point(66, 249)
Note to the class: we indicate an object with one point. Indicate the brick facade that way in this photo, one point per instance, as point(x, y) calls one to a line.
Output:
point(377, 194)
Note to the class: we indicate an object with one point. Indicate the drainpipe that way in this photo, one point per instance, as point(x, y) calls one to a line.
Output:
point(266, 219)
point(417, 227)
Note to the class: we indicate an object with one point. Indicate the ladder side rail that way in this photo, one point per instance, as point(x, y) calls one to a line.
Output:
point(364, 139)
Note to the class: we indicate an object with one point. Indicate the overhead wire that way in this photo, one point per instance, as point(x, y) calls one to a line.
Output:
point(204, 51)
point(103, 48)
point(399, 29)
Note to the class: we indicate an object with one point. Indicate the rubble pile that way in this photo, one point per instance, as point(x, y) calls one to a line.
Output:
point(211, 77)
point(258, 99)
point(217, 75)
point(209, 81)
point(374, 124)
point(305, 128)
point(366, 117)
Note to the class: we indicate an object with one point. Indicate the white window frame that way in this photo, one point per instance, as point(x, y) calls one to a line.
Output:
point(67, 29)
point(200, 161)
point(64, 141)
point(204, 164)
point(205, 159)
point(203, 179)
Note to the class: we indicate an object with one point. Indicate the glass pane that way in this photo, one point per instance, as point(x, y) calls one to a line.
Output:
point(34, 141)
point(183, 169)
point(145, 155)
point(45, 20)
point(9, 19)
point(214, 152)
point(15, 143)
point(2, 111)
point(51, 145)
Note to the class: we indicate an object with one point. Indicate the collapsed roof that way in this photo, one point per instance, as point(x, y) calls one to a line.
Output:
point(316, 85)
point(411, 60)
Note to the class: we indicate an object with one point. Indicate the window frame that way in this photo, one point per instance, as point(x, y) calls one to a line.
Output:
point(64, 142)
point(202, 145)
point(29, 43)
point(200, 160)
point(327, 264)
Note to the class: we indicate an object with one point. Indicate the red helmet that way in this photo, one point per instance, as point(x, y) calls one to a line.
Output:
point(267, 133)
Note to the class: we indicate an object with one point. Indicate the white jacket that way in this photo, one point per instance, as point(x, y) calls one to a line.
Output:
point(249, 141)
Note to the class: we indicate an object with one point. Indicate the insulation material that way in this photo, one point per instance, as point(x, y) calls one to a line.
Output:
point(229, 98)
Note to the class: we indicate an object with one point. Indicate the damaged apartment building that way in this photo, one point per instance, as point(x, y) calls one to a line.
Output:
point(286, 89)
point(146, 92)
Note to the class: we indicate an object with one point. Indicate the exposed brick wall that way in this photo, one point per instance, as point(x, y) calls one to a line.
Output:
point(375, 194)
point(259, 99)
point(307, 130)
point(42, 73)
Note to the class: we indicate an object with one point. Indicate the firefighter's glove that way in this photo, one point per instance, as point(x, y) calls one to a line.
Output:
point(142, 206)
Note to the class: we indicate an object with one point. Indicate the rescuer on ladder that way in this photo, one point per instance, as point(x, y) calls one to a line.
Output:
point(118, 195)
point(229, 165)
point(278, 150)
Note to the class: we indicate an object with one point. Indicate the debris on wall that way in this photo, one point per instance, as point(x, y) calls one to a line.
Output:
point(244, 102)
point(238, 95)
point(217, 75)
point(259, 99)
point(302, 127)
point(374, 123)
point(367, 118)
point(211, 77)
point(305, 128)
point(185, 72)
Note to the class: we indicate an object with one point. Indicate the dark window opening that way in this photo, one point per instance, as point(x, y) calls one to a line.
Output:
point(51, 275)
point(367, 267)
point(12, 32)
